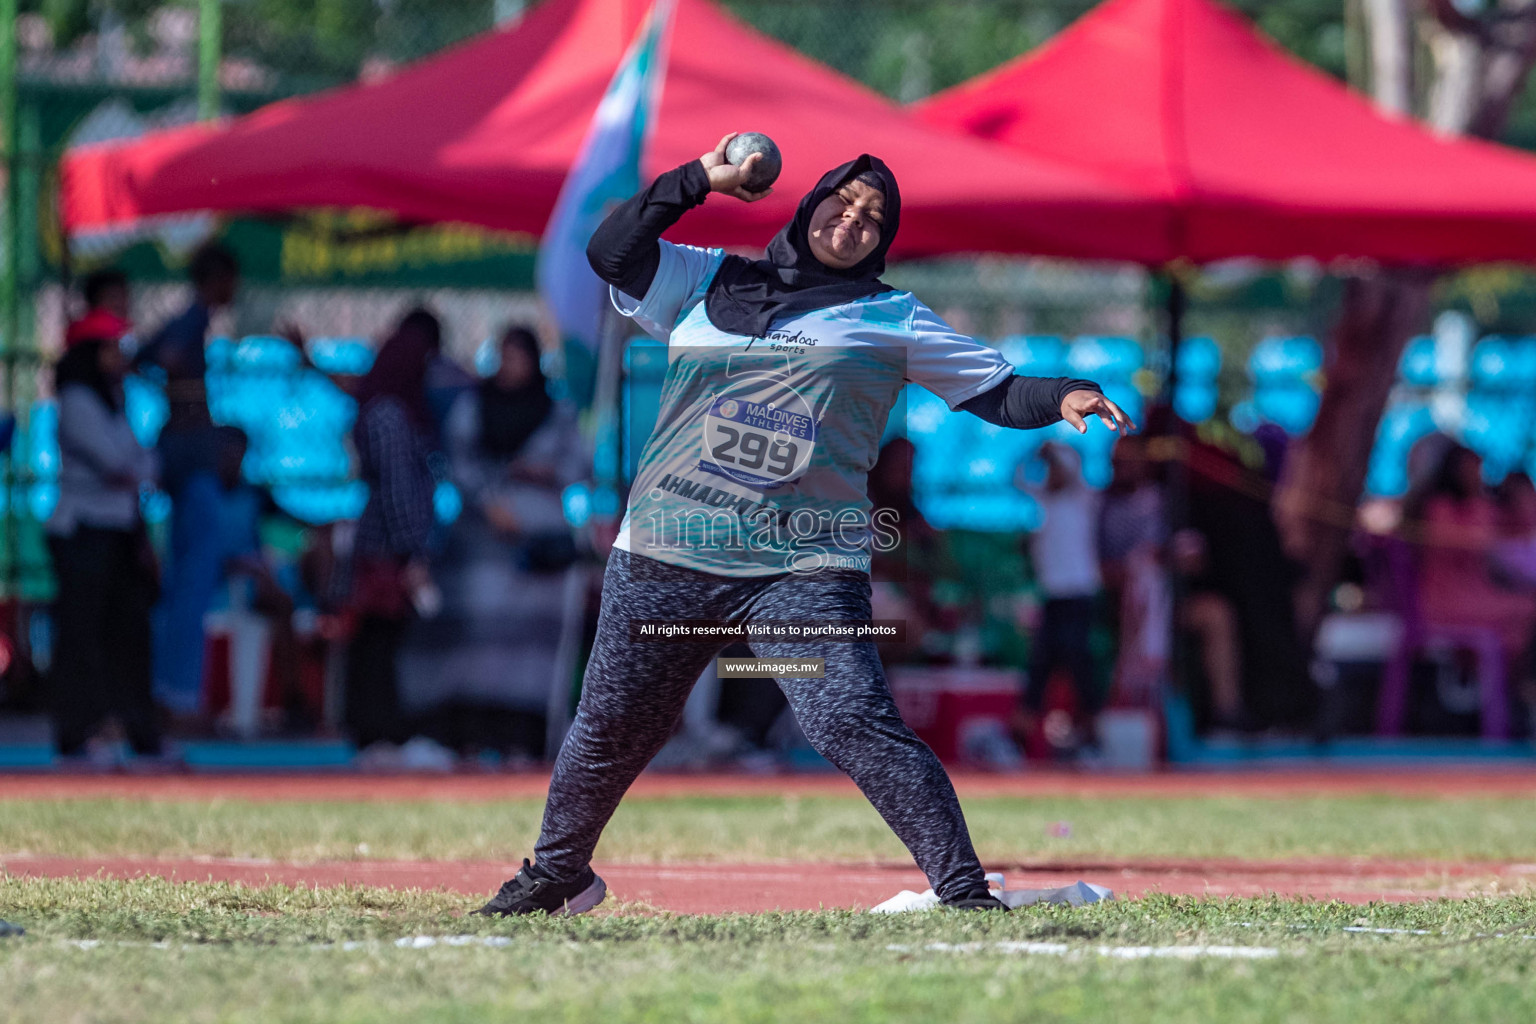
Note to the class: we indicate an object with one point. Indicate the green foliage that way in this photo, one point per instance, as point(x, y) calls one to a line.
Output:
point(328, 40)
point(903, 48)
point(69, 19)
point(906, 48)
point(414, 28)
point(1311, 29)
point(882, 42)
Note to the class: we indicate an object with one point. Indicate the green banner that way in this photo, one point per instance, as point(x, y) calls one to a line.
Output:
point(346, 248)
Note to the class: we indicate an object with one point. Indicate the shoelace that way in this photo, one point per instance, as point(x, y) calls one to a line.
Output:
point(517, 886)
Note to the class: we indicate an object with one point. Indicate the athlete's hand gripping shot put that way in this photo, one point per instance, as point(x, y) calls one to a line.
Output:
point(750, 502)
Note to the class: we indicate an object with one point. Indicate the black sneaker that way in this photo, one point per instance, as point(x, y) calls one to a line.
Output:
point(977, 898)
point(530, 892)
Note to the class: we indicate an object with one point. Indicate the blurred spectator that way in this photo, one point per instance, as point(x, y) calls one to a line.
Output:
point(1065, 556)
point(1144, 611)
point(1458, 526)
point(389, 575)
point(188, 445)
point(323, 565)
point(1131, 513)
point(1137, 554)
point(243, 508)
point(482, 669)
point(905, 555)
point(102, 558)
point(1514, 555)
point(446, 382)
point(1275, 444)
point(106, 305)
point(1514, 561)
point(189, 457)
point(1210, 616)
point(106, 290)
point(1133, 531)
point(1425, 458)
point(1240, 589)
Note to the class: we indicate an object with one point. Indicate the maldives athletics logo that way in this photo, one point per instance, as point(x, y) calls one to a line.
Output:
point(759, 432)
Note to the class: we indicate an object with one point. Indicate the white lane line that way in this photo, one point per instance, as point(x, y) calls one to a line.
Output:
point(1037, 948)
point(408, 942)
point(1113, 952)
point(428, 941)
point(1192, 952)
point(1425, 931)
point(1387, 931)
point(1363, 930)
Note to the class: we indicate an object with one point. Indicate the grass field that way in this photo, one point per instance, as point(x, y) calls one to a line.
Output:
point(790, 827)
point(152, 950)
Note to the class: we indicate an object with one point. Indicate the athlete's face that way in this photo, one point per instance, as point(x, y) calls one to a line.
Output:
point(846, 226)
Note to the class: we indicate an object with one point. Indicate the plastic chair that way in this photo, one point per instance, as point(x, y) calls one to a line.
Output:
point(1400, 576)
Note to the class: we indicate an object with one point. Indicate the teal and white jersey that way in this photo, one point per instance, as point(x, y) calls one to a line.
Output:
point(759, 458)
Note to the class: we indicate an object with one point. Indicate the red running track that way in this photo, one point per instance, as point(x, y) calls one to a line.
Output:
point(725, 888)
point(753, 888)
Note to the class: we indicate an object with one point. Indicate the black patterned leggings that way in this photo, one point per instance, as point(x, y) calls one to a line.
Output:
point(633, 693)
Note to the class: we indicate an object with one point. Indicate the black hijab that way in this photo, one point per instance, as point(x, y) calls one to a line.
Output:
point(748, 295)
point(399, 369)
point(509, 416)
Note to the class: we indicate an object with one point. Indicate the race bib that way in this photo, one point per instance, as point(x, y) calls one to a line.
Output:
point(760, 433)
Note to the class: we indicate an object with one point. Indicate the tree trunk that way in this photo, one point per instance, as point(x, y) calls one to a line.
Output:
point(1480, 65)
point(1458, 79)
point(1389, 25)
point(1326, 475)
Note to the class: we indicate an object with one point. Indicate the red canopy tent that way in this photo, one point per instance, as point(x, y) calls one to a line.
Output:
point(1250, 151)
point(485, 132)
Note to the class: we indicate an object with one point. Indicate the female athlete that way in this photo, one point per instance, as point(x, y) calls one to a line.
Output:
point(749, 503)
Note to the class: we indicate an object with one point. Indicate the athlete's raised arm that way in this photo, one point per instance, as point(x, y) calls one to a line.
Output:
point(625, 249)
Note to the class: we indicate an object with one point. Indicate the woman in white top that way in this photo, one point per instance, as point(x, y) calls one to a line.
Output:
point(102, 561)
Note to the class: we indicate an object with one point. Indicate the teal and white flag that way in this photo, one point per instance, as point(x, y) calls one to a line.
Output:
point(607, 171)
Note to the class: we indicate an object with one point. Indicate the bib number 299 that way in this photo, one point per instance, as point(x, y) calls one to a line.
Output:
point(753, 449)
point(759, 443)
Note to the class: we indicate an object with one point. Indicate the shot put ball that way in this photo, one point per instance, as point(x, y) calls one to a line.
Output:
point(767, 169)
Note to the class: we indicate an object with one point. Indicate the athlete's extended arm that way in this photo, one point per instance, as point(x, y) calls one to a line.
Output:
point(624, 250)
point(1028, 402)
